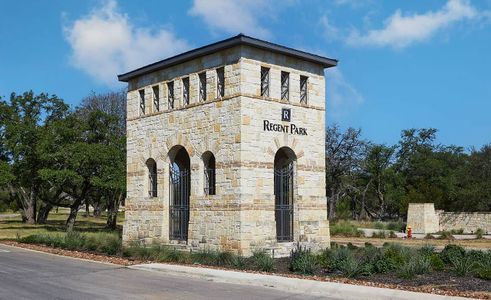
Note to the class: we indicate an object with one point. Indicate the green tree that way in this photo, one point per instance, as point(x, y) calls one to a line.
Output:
point(24, 120)
point(474, 178)
point(377, 169)
point(85, 159)
point(344, 152)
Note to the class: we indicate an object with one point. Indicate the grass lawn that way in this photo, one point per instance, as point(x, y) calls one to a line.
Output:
point(11, 228)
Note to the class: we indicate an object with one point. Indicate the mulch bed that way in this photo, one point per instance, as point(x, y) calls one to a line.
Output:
point(440, 283)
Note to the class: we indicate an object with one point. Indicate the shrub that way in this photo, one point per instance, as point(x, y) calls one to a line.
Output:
point(457, 231)
point(225, 258)
point(396, 226)
point(427, 250)
point(416, 265)
point(204, 257)
point(352, 268)
point(392, 235)
point(262, 261)
point(379, 225)
point(422, 264)
point(371, 254)
point(351, 246)
point(240, 262)
point(379, 235)
point(479, 233)
point(483, 272)
point(462, 265)
point(436, 262)
point(103, 242)
point(138, 252)
point(175, 255)
point(406, 271)
point(73, 240)
point(344, 228)
point(396, 255)
point(383, 266)
point(429, 236)
point(303, 262)
point(452, 252)
point(445, 235)
point(336, 257)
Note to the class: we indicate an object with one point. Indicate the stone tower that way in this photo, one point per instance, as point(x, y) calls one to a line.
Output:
point(226, 149)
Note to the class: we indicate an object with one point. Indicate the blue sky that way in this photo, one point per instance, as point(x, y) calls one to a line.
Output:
point(402, 64)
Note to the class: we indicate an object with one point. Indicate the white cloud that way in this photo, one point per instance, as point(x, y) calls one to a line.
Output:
point(105, 43)
point(342, 97)
point(233, 16)
point(331, 32)
point(403, 30)
point(353, 3)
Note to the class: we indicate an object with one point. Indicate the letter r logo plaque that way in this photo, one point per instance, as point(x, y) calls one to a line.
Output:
point(285, 114)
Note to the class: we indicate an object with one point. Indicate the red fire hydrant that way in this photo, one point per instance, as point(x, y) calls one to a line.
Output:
point(409, 232)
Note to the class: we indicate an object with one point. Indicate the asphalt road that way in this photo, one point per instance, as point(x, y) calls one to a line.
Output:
point(32, 275)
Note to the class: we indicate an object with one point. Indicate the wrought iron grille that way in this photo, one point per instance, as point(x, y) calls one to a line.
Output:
point(202, 86)
point(142, 102)
point(179, 204)
point(210, 181)
point(303, 89)
point(156, 98)
point(185, 90)
point(220, 82)
point(285, 85)
point(170, 94)
point(264, 81)
point(152, 180)
point(283, 190)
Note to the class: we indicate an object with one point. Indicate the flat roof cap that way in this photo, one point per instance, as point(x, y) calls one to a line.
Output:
point(240, 39)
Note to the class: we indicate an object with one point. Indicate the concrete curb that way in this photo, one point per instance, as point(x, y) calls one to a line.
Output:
point(294, 285)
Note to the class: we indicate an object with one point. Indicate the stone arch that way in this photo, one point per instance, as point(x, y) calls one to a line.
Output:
point(181, 141)
point(284, 192)
point(179, 192)
point(287, 141)
point(151, 182)
point(209, 172)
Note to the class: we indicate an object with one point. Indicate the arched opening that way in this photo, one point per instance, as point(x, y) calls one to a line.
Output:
point(179, 191)
point(284, 193)
point(152, 177)
point(210, 171)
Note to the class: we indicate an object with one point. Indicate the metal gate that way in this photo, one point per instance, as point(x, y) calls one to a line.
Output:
point(179, 204)
point(283, 190)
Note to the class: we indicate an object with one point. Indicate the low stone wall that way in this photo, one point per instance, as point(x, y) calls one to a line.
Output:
point(423, 218)
point(469, 222)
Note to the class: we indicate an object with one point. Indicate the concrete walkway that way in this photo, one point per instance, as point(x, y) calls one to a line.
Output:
point(285, 284)
point(370, 231)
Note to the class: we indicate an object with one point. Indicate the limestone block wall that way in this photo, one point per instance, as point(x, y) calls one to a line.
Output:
point(468, 221)
point(258, 149)
point(213, 125)
point(422, 218)
point(241, 216)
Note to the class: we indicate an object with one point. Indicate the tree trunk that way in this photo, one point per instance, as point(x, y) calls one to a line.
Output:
point(112, 212)
point(332, 205)
point(27, 201)
point(43, 213)
point(363, 211)
point(97, 209)
point(30, 209)
point(70, 222)
point(87, 208)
